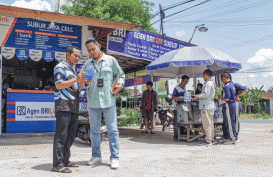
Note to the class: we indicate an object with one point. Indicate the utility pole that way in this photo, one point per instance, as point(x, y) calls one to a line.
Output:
point(58, 7)
point(161, 19)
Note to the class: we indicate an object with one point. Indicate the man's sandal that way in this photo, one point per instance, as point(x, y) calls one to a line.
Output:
point(62, 170)
point(70, 164)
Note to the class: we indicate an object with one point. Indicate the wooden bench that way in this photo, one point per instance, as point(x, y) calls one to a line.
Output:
point(189, 135)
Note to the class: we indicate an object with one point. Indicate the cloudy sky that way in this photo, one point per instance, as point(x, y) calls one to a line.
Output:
point(241, 29)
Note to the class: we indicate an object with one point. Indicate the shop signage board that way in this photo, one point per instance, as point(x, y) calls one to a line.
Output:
point(5, 25)
point(30, 111)
point(139, 80)
point(34, 111)
point(48, 56)
point(60, 56)
point(8, 52)
point(22, 54)
point(141, 45)
point(39, 35)
point(35, 55)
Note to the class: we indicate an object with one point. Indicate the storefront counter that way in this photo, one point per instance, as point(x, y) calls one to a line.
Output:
point(30, 111)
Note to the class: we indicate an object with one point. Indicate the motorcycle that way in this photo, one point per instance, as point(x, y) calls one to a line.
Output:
point(165, 114)
point(83, 131)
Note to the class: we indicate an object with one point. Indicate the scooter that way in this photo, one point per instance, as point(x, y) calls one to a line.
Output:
point(83, 131)
point(165, 114)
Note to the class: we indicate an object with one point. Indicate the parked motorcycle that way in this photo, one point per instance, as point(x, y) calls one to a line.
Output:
point(165, 113)
point(83, 131)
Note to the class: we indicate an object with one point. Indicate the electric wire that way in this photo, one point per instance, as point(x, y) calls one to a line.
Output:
point(238, 9)
point(172, 6)
point(181, 11)
point(199, 12)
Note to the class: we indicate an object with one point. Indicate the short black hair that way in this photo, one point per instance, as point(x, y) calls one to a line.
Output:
point(200, 85)
point(226, 75)
point(71, 49)
point(208, 72)
point(92, 39)
point(185, 77)
point(149, 83)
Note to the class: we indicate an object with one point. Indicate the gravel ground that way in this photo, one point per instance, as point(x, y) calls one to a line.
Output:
point(146, 155)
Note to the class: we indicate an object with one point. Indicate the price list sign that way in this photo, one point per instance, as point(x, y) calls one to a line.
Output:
point(141, 44)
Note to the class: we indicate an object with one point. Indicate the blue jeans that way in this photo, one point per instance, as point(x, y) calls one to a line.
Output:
point(110, 115)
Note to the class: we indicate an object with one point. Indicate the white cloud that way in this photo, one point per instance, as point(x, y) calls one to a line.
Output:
point(4, 4)
point(262, 56)
point(181, 33)
point(257, 71)
point(33, 4)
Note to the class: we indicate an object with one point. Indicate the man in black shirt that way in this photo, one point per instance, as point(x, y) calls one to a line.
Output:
point(66, 96)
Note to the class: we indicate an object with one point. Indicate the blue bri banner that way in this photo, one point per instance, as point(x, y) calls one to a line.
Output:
point(141, 45)
point(40, 35)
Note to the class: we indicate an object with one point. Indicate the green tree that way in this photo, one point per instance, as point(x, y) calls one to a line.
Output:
point(255, 99)
point(128, 11)
point(270, 90)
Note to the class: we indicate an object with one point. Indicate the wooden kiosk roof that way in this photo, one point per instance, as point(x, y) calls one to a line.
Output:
point(62, 18)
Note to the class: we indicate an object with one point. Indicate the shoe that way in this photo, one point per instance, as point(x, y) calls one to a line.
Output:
point(213, 143)
point(205, 144)
point(145, 131)
point(229, 142)
point(152, 132)
point(94, 161)
point(175, 139)
point(222, 139)
point(237, 139)
point(114, 164)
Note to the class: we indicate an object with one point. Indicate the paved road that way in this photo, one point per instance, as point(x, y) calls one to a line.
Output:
point(145, 155)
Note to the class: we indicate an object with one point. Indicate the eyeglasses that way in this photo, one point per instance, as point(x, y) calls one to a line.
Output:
point(76, 56)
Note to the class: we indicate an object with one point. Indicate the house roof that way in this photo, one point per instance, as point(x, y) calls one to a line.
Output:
point(267, 95)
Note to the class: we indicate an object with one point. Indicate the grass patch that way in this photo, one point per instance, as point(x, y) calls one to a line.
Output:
point(255, 116)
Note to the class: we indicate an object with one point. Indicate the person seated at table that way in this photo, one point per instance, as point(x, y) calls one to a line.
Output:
point(206, 105)
point(199, 89)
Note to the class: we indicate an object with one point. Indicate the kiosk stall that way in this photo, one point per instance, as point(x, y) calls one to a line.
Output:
point(32, 43)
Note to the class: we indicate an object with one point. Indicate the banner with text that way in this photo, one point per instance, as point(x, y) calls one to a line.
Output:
point(39, 35)
point(140, 80)
point(141, 45)
point(34, 111)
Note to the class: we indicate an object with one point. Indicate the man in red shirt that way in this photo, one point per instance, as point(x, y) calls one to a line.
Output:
point(149, 105)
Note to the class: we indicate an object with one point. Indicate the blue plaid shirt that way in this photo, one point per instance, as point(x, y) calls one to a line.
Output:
point(102, 97)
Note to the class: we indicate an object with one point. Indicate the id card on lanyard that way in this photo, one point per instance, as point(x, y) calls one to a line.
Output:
point(100, 80)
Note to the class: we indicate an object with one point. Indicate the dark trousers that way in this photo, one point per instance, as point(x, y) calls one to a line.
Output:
point(229, 120)
point(66, 127)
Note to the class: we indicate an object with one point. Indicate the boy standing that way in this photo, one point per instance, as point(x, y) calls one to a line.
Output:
point(207, 107)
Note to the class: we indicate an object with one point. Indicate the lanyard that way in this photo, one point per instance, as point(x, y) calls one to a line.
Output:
point(96, 68)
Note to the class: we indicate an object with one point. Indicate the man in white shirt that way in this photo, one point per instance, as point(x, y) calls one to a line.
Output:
point(206, 104)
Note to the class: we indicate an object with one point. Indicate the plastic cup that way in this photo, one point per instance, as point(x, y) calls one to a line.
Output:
point(89, 74)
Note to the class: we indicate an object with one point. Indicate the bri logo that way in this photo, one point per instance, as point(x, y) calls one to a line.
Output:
point(21, 110)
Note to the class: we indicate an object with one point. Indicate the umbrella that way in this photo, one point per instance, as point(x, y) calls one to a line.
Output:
point(192, 61)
